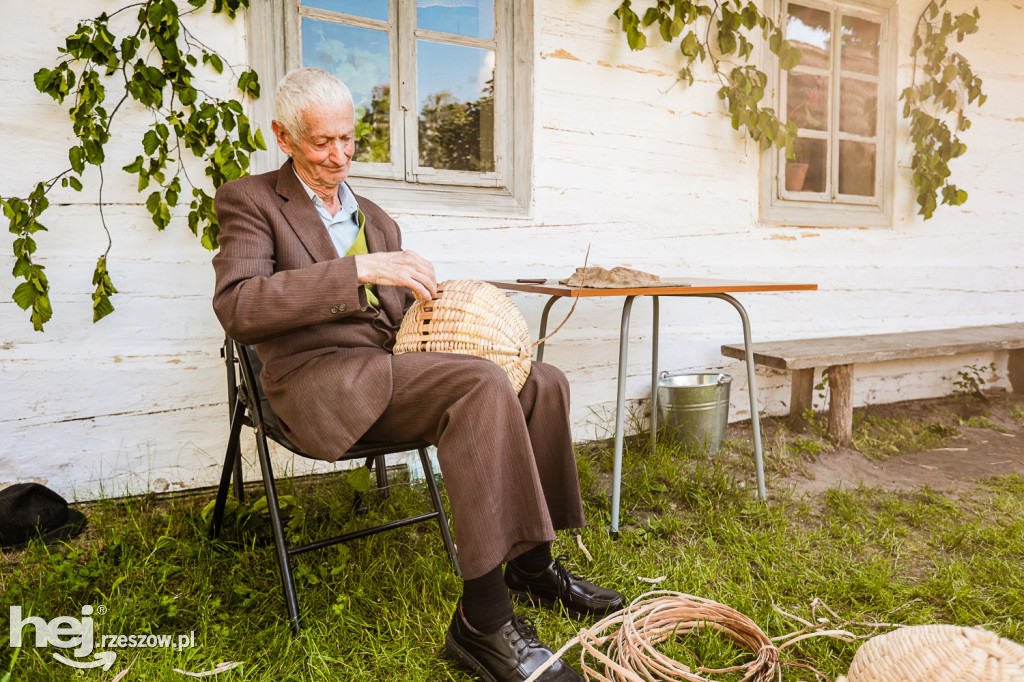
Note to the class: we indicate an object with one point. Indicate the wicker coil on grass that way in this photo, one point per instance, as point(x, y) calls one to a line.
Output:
point(938, 653)
point(622, 645)
point(470, 317)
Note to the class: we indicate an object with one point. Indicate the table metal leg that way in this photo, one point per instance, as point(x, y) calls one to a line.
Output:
point(620, 402)
point(654, 378)
point(755, 419)
point(544, 326)
point(620, 413)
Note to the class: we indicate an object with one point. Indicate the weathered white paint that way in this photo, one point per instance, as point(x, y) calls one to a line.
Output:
point(647, 172)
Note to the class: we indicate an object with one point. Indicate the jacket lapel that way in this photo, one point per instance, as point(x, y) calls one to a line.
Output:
point(300, 213)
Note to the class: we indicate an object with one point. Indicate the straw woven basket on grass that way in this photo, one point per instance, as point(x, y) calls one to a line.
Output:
point(470, 318)
point(938, 653)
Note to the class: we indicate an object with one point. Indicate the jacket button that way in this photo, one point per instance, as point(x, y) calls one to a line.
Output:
point(334, 310)
point(342, 307)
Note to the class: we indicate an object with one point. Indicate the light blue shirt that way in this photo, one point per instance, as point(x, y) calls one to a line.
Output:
point(343, 227)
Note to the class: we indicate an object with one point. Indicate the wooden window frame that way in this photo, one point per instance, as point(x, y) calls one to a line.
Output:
point(831, 209)
point(274, 35)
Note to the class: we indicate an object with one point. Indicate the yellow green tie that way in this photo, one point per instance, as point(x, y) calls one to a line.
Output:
point(359, 248)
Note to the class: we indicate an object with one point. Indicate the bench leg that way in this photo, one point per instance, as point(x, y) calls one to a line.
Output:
point(801, 395)
point(840, 405)
point(1015, 368)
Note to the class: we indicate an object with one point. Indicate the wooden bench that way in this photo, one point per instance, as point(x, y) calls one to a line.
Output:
point(840, 354)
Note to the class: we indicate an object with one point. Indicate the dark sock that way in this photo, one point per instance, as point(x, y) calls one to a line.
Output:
point(486, 604)
point(534, 560)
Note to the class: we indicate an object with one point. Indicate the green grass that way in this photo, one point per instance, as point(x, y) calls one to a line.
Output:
point(983, 421)
point(883, 437)
point(376, 609)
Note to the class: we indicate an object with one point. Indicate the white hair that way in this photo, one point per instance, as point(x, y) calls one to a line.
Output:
point(303, 89)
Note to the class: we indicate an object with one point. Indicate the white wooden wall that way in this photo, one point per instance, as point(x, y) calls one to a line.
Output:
point(647, 172)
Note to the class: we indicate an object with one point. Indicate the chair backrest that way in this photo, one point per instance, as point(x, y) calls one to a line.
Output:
point(256, 400)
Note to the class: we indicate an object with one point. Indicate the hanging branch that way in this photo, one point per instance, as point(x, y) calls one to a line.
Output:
point(154, 64)
point(947, 86)
point(718, 33)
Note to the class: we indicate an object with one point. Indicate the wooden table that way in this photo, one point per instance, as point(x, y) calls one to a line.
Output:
point(704, 288)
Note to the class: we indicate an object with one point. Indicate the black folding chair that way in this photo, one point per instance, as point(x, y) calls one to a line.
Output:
point(249, 406)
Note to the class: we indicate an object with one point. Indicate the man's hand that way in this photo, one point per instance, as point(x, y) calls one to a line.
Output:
point(400, 269)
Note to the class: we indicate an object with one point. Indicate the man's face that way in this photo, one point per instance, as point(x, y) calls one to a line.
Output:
point(323, 155)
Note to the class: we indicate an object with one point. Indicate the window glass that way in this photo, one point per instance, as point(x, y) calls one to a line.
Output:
point(840, 97)
point(810, 30)
point(807, 101)
point(358, 56)
point(858, 106)
point(455, 94)
point(808, 170)
point(860, 46)
point(371, 9)
point(473, 18)
point(856, 168)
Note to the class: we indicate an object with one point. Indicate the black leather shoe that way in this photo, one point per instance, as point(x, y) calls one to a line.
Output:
point(511, 654)
point(581, 598)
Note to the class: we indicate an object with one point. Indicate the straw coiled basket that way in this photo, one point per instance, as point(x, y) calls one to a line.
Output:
point(938, 653)
point(470, 317)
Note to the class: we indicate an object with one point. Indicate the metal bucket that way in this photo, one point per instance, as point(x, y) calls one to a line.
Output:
point(693, 409)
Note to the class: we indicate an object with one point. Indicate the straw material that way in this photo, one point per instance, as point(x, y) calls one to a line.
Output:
point(938, 653)
point(631, 634)
point(470, 317)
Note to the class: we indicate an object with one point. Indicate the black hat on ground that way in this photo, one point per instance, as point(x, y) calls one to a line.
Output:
point(28, 510)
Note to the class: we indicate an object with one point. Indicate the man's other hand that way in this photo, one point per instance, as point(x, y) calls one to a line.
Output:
point(400, 269)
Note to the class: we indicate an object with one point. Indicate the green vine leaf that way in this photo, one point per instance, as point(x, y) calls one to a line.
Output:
point(187, 120)
point(937, 101)
point(712, 31)
point(101, 306)
point(932, 106)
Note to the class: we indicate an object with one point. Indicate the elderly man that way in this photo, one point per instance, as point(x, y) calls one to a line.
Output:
point(316, 277)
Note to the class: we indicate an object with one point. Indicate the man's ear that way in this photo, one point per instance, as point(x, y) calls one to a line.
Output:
point(284, 138)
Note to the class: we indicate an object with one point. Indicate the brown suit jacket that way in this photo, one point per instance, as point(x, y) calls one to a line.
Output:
point(281, 286)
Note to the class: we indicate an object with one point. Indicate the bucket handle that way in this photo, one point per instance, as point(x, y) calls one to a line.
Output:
point(664, 374)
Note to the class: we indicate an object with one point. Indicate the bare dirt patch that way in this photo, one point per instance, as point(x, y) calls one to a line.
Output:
point(989, 442)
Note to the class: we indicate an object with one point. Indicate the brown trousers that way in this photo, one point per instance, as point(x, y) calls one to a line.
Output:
point(507, 460)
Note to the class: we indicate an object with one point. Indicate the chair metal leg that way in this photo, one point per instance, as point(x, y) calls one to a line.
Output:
point(442, 518)
point(381, 465)
point(231, 459)
point(228, 353)
point(237, 476)
point(290, 597)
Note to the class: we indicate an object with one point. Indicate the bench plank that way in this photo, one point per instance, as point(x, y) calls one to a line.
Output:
point(839, 355)
point(844, 350)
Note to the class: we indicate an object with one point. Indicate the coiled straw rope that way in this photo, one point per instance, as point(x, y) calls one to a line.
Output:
point(661, 615)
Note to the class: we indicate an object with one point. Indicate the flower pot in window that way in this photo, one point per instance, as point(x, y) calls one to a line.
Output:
point(796, 173)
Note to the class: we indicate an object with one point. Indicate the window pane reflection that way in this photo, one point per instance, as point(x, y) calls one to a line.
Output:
point(858, 107)
point(358, 56)
point(371, 9)
point(807, 172)
point(810, 30)
point(455, 92)
point(860, 46)
point(856, 168)
point(474, 18)
point(807, 101)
